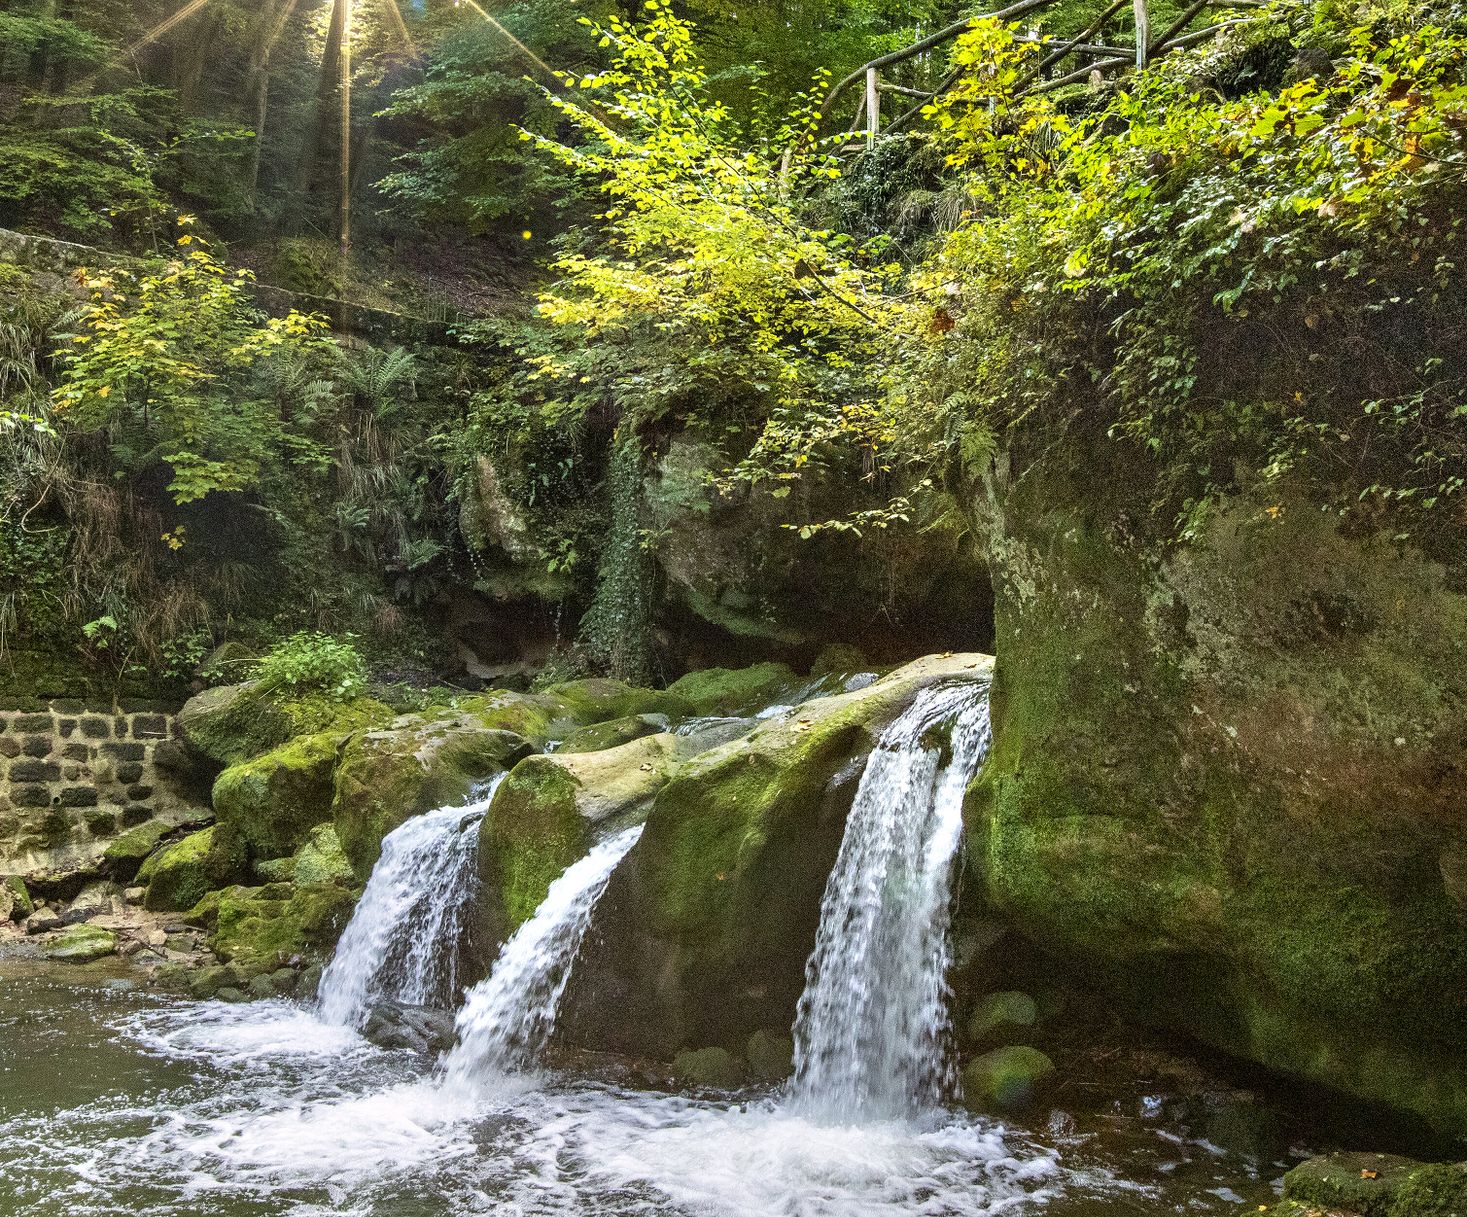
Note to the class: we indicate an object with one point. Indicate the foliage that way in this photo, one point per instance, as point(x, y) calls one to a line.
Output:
point(161, 366)
point(313, 663)
point(1260, 287)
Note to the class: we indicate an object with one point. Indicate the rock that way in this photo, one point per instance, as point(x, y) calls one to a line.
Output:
point(321, 860)
point(180, 875)
point(308, 982)
point(129, 947)
point(156, 938)
point(1380, 1185)
point(614, 733)
point(419, 1029)
point(997, 1016)
point(1224, 778)
point(543, 816)
point(839, 659)
point(42, 920)
point(425, 761)
point(730, 691)
point(95, 900)
point(231, 723)
point(1006, 1079)
point(207, 982)
point(715, 1067)
point(705, 929)
point(231, 995)
point(15, 900)
point(271, 803)
point(82, 943)
point(125, 855)
point(263, 929)
point(261, 987)
point(134, 895)
point(771, 1057)
point(598, 700)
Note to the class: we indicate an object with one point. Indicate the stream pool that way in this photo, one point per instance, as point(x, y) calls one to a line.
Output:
point(115, 1100)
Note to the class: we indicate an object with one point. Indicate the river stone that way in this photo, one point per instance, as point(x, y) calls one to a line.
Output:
point(715, 1067)
point(1006, 1079)
point(614, 733)
point(82, 943)
point(421, 1029)
point(41, 920)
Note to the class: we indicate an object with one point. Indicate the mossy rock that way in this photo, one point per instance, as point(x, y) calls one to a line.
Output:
point(233, 723)
point(127, 853)
point(1224, 784)
point(178, 876)
point(263, 929)
point(839, 659)
point(1380, 1185)
point(81, 944)
point(544, 814)
point(13, 893)
point(771, 1056)
point(421, 762)
point(614, 733)
point(708, 923)
point(321, 860)
point(716, 1067)
point(735, 690)
point(272, 803)
point(1006, 1079)
point(597, 699)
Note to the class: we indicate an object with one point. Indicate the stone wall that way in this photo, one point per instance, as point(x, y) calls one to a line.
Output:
point(73, 777)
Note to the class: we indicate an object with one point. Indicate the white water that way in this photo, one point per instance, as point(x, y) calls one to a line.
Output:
point(871, 1033)
point(405, 936)
point(507, 1018)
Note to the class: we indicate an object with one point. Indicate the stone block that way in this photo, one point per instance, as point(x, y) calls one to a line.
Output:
point(95, 727)
point(9, 746)
point(139, 792)
point(36, 745)
point(150, 726)
point(76, 752)
point(30, 796)
point(34, 771)
point(129, 772)
point(78, 796)
point(125, 752)
point(33, 722)
point(135, 815)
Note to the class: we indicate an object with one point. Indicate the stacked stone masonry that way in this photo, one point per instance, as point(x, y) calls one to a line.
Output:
point(72, 778)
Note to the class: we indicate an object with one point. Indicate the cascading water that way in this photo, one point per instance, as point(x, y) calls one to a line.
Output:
point(507, 1018)
point(870, 1033)
point(403, 940)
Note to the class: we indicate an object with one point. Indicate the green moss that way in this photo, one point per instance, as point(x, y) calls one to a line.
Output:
point(21, 905)
point(124, 855)
point(997, 1015)
point(272, 802)
point(716, 1067)
point(81, 944)
point(180, 875)
point(235, 723)
point(1006, 1079)
point(734, 690)
point(613, 734)
point(596, 700)
point(533, 831)
point(262, 929)
point(321, 860)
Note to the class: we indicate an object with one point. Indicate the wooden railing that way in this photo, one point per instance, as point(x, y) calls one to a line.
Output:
point(1087, 54)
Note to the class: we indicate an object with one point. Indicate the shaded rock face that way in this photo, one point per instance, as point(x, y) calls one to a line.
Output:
point(1226, 784)
point(704, 931)
point(421, 1029)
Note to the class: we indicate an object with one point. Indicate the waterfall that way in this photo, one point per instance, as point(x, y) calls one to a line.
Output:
point(508, 1018)
point(872, 1025)
point(404, 938)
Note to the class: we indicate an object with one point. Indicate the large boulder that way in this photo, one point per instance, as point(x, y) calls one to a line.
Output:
point(271, 803)
point(705, 929)
point(259, 930)
point(545, 813)
point(232, 723)
point(82, 944)
point(178, 876)
point(423, 761)
point(720, 691)
point(1226, 781)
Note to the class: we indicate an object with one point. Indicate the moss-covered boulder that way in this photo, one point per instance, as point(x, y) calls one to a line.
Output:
point(716, 1067)
point(614, 733)
point(232, 723)
point(1379, 1185)
point(259, 930)
point(1007, 1079)
point(423, 761)
point(707, 925)
point(82, 944)
point(735, 690)
point(545, 813)
point(598, 700)
point(1000, 1016)
point(1226, 780)
point(15, 900)
point(320, 860)
point(271, 803)
point(126, 854)
point(178, 876)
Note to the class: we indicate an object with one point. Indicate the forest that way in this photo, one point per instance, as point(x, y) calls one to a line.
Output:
point(808, 608)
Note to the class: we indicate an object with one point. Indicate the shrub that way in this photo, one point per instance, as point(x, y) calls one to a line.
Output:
point(314, 663)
